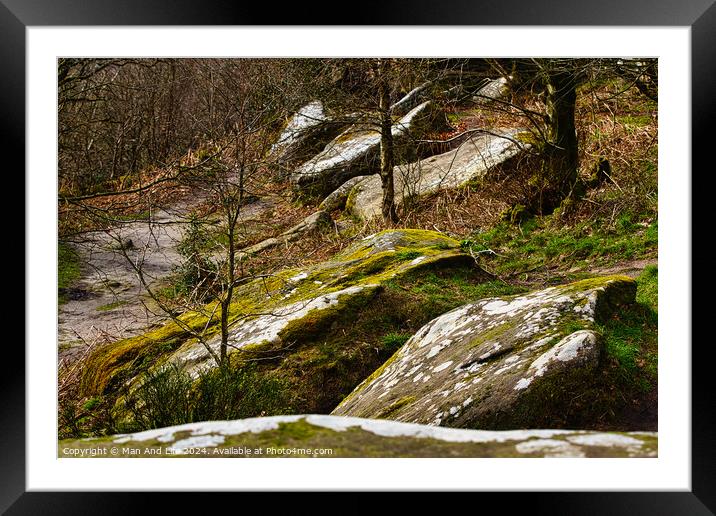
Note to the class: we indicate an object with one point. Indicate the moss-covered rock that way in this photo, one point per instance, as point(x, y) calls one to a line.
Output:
point(472, 159)
point(514, 362)
point(318, 328)
point(332, 436)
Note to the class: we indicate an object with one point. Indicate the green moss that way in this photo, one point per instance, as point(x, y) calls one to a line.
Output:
point(492, 334)
point(301, 439)
point(395, 406)
point(109, 366)
point(111, 306)
point(407, 255)
point(68, 269)
point(317, 321)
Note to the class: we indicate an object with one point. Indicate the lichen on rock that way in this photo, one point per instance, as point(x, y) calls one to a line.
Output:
point(472, 159)
point(355, 151)
point(333, 436)
point(292, 315)
point(305, 131)
point(496, 363)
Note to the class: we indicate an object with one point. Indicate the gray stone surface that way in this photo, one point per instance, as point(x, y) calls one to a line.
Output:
point(331, 436)
point(356, 151)
point(336, 200)
point(495, 89)
point(495, 363)
point(472, 159)
point(306, 131)
point(411, 99)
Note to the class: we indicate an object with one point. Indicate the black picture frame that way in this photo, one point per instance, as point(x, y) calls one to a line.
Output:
point(699, 15)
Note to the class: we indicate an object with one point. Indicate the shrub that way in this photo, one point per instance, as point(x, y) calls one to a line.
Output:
point(163, 398)
point(170, 396)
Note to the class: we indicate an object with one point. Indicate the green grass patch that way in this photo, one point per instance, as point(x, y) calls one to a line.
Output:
point(631, 338)
point(394, 340)
point(111, 306)
point(510, 250)
point(635, 120)
point(68, 268)
point(437, 292)
point(129, 217)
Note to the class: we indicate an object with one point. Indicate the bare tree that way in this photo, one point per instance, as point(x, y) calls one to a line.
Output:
point(368, 91)
point(237, 106)
point(553, 84)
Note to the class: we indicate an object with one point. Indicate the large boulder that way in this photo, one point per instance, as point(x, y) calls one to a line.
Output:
point(356, 151)
point(332, 436)
point(472, 159)
point(306, 132)
point(515, 362)
point(319, 329)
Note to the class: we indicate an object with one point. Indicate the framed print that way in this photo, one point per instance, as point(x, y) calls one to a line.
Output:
point(423, 256)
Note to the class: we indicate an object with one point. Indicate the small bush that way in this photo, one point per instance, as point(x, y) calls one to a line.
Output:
point(228, 393)
point(393, 341)
point(170, 396)
point(197, 272)
point(163, 399)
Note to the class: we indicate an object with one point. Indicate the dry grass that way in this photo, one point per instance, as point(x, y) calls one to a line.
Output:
point(621, 128)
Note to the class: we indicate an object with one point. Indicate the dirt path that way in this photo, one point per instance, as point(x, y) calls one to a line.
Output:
point(108, 302)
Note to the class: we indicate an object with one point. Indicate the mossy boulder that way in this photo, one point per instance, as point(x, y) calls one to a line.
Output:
point(508, 362)
point(333, 436)
point(472, 159)
point(356, 151)
point(319, 328)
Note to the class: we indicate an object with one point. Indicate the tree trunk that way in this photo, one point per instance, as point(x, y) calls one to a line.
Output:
point(562, 160)
point(387, 159)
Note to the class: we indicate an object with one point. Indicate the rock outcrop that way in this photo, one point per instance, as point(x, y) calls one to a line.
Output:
point(305, 133)
point(304, 319)
point(336, 200)
point(331, 436)
point(513, 362)
point(472, 159)
point(493, 90)
point(356, 151)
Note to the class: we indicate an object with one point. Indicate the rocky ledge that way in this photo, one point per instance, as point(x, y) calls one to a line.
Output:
point(333, 436)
